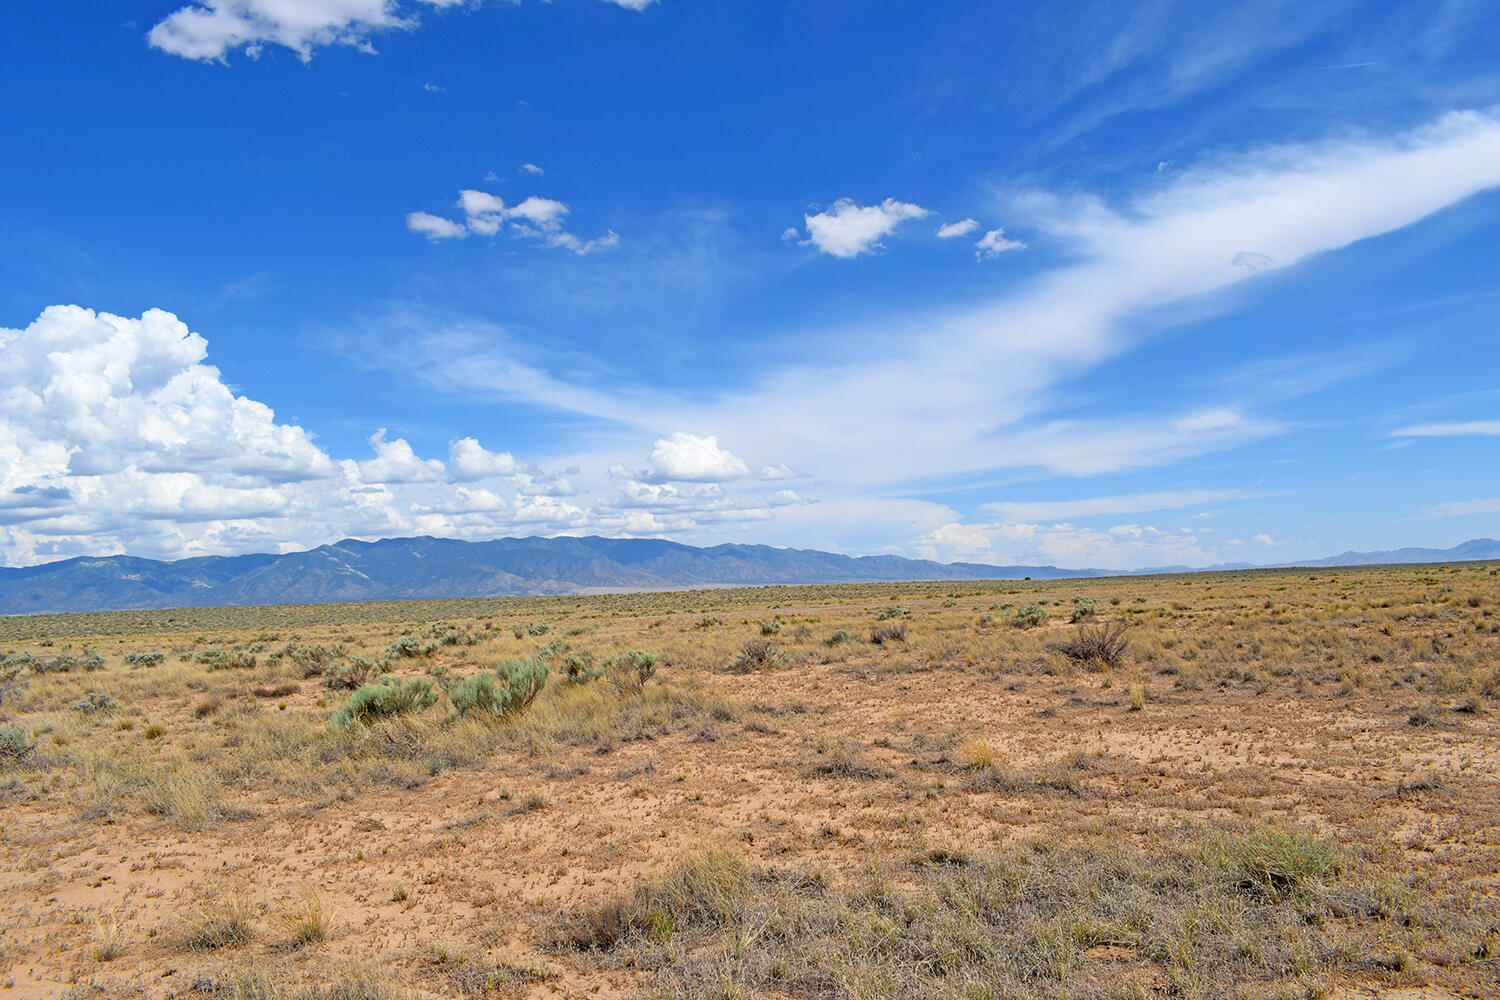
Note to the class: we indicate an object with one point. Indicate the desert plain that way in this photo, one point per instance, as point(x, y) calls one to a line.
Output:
point(1276, 783)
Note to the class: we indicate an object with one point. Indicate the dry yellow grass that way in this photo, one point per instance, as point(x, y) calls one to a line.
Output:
point(1346, 718)
point(977, 754)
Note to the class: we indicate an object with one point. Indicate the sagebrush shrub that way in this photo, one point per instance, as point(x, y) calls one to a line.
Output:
point(514, 685)
point(579, 667)
point(523, 679)
point(391, 696)
point(14, 746)
point(1029, 616)
point(633, 668)
point(218, 659)
point(1082, 612)
point(65, 663)
point(476, 695)
point(355, 672)
point(882, 634)
point(95, 701)
point(759, 654)
point(412, 648)
point(153, 658)
point(315, 660)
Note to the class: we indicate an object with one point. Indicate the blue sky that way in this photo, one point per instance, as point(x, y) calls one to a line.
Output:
point(1013, 283)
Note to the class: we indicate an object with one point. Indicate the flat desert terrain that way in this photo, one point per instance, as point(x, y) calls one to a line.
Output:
point(1283, 785)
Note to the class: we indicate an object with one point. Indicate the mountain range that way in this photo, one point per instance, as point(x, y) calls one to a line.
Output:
point(413, 568)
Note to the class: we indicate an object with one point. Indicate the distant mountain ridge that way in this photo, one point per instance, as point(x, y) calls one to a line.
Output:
point(424, 567)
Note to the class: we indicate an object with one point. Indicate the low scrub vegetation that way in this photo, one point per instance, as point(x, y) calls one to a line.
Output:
point(391, 696)
point(1103, 646)
point(1207, 916)
point(759, 654)
point(225, 921)
point(513, 686)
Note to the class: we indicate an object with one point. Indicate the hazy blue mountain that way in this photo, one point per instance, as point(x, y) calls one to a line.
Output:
point(407, 568)
point(404, 568)
point(1474, 548)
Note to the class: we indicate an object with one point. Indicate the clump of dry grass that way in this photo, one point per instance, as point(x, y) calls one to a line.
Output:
point(1137, 695)
point(1103, 646)
point(977, 754)
point(758, 654)
point(710, 886)
point(307, 921)
point(843, 759)
point(109, 940)
point(189, 798)
point(225, 921)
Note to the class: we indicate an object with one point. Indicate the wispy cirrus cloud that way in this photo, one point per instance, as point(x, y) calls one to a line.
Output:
point(1479, 428)
point(1463, 508)
point(1132, 503)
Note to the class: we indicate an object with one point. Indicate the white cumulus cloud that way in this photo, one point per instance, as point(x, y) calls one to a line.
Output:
point(963, 227)
point(211, 29)
point(689, 458)
point(435, 227)
point(848, 229)
point(534, 218)
point(117, 436)
point(395, 462)
point(994, 243)
point(470, 460)
point(1122, 547)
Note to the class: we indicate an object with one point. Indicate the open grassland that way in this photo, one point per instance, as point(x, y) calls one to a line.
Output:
point(1267, 784)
